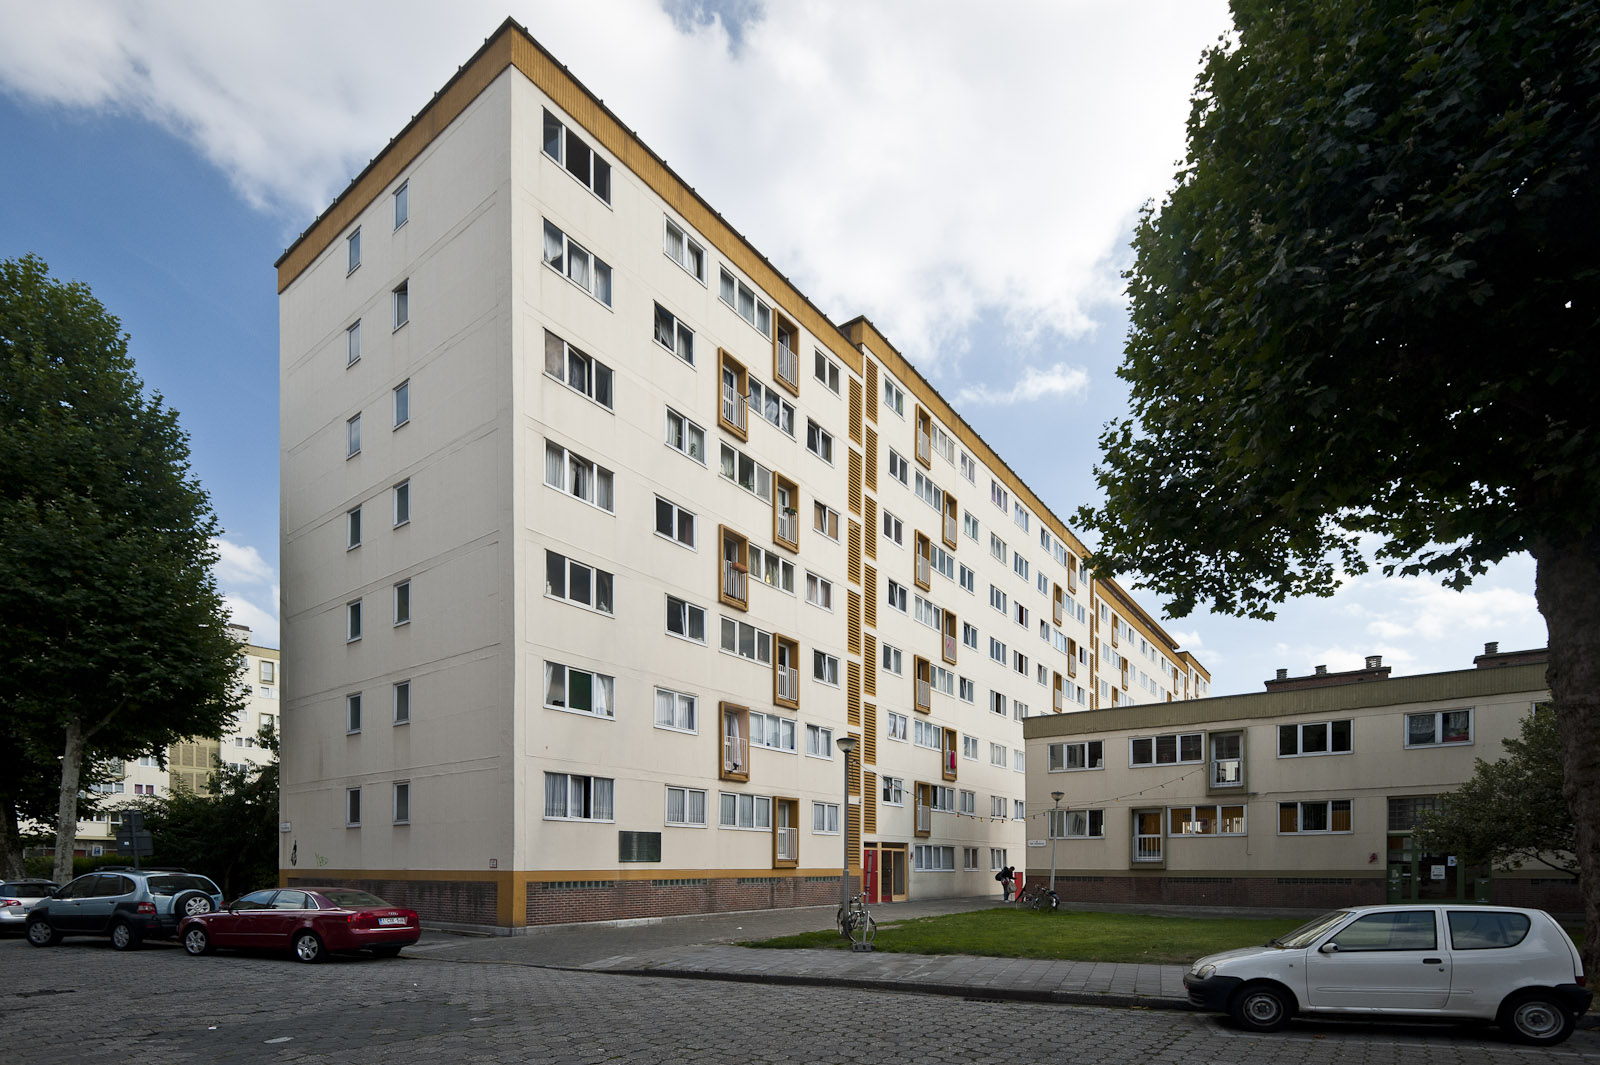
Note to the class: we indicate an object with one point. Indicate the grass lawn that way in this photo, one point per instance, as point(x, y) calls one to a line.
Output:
point(1080, 936)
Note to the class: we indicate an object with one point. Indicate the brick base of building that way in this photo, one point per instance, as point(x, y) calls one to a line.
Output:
point(561, 902)
point(455, 902)
point(1259, 892)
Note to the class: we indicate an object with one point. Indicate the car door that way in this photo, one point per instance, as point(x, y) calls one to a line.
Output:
point(241, 925)
point(276, 926)
point(63, 908)
point(1384, 960)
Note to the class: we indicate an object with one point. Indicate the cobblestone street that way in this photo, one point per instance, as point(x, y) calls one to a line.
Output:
point(444, 1002)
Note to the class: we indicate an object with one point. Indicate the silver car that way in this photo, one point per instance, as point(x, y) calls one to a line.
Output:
point(17, 897)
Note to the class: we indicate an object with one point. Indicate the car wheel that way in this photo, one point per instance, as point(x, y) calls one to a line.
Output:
point(1261, 1007)
point(123, 937)
point(192, 904)
point(307, 947)
point(40, 934)
point(1535, 1017)
point(196, 942)
point(386, 952)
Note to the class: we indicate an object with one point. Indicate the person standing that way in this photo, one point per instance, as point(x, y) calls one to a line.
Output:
point(1007, 878)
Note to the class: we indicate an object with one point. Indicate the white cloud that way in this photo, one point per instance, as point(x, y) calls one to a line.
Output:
point(249, 588)
point(1188, 639)
point(263, 622)
point(926, 164)
point(240, 564)
point(1057, 380)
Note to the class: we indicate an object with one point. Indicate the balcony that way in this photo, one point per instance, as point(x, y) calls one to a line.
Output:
point(735, 582)
point(787, 366)
point(786, 844)
point(924, 573)
point(924, 819)
point(735, 757)
point(950, 649)
point(733, 408)
point(950, 529)
point(1147, 848)
point(1058, 700)
point(788, 689)
point(924, 448)
point(788, 528)
point(924, 696)
point(1227, 773)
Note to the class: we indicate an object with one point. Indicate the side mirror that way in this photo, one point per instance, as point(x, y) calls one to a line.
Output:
point(1328, 948)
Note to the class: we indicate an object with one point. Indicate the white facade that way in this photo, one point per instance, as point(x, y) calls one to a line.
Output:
point(468, 351)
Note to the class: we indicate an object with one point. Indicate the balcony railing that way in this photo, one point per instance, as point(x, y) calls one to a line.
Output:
point(787, 844)
point(949, 528)
point(924, 447)
point(1146, 848)
point(735, 754)
point(1058, 700)
point(924, 695)
point(735, 581)
point(788, 684)
point(924, 570)
point(1227, 772)
point(924, 818)
point(789, 526)
point(788, 365)
point(950, 649)
point(733, 408)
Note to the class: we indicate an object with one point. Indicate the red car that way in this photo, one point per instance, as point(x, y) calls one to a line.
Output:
point(310, 922)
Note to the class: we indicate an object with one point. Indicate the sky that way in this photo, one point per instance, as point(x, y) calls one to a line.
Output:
point(966, 176)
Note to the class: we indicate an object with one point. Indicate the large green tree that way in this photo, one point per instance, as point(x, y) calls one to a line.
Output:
point(115, 639)
point(1365, 318)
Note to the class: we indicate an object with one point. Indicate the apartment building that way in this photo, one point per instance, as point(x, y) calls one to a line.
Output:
point(1305, 794)
point(599, 537)
point(190, 764)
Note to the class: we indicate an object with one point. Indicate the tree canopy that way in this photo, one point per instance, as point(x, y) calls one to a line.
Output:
point(116, 640)
point(1366, 318)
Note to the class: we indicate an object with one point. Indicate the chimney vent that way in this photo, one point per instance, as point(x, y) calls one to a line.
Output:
point(1492, 647)
point(1283, 674)
point(1374, 661)
point(1322, 671)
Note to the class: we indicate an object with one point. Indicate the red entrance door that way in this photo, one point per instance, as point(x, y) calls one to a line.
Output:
point(869, 873)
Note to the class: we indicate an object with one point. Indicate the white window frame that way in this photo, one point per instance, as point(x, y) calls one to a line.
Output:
point(684, 705)
point(691, 434)
point(681, 340)
point(352, 251)
point(1090, 755)
point(759, 808)
point(730, 456)
point(352, 713)
point(1438, 728)
point(760, 317)
point(352, 621)
point(682, 520)
point(401, 199)
point(402, 403)
point(894, 397)
point(692, 250)
point(825, 668)
point(352, 528)
point(819, 742)
point(596, 476)
point(1300, 738)
point(402, 602)
point(352, 435)
point(760, 641)
point(826, 814)
point(685, 821)
point(819, 591)
point(400, 796)
point(893, 660)
point(819, 441)
point(591, 796)
point(1154, 742)
point(897, 727)
point(1300, 817)
point(825, 370)
point(895, 596)
point(899, 468)
point(893, 792)
point(352, 343)
point(1062, 821)
point(594, 371)
point(599, 180)
point(400, 295)
point(605, 708)
point(400, 702)
point(400, 498)
point(561, 263)
point(893, 529)
point(596, 573)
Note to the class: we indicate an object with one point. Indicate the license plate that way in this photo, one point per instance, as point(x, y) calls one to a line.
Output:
point(391, 920)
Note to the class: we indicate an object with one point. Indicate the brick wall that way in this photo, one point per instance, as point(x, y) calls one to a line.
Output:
point(1558, 895)
point(612, 900)
point(1245, 892)
point(452, 901)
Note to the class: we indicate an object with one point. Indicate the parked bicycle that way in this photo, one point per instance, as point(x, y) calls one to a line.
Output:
point(855, 921)
point(1038, 896)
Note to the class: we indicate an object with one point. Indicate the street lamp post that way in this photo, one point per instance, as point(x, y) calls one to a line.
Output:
point(1056, 795)
point(846, 744)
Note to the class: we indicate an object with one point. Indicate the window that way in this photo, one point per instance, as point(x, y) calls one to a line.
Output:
point(893, 397)
point(569, 797)
point(753, 477)
point(675, 523)
point(997, 599)
point(772, 732)
point(969, 691)
point(746, 641)
point(967, 803)
point(1315, 737)
point(1019, 810)
point(402, 403)
point(352, 343)
point(402, 603)
point(402, 204)
point(579, 690)
point(943, 444)
point(1077, 824)
point(1020, 615)
point(352, 712)
point(1169, 749)
point(929, 859)
point(686, 806)
point(1300, 818)
point(997, 547)
point(352, 621)
point(352, 248)
point(969, 525)
point(570, 472)
point(402, 503)
point(893, 529)
point(825, 668)
point(997, 754)
point(682, 249)
point(767, 403)
point(997, 650)
point(1439, 728)
point(674, 335)
point(581, 161)
point(998, 495)
point(944, 681)
point(927, 734)
point(571, 580)
point(819, 741)
point(352, 434)
point(745, 811)
point(969, 468)
point(819, 591)
point(1069, 757)
point(896, 728)
point(1022, 517)
point(568, 257)
point(819, 441)
point(402, 803)
point(928, 614)
point(1395, 930)
point(969, 748)
point(893, 791)
point(827, 371)
point(898, 469)
point(893, 660)
point(581, 373)
point(402, 702)
point(997, 806)
point(352, 807)
point(929, 492)
point(676, 710)
point(825, 520)
point(1227, 759)
point(825, 818)
point(402, 303)
point(944, 563)
point(1020, 564)
point(1205, 821)
point(685, 436)
point(269, 675)
point(897, 596)
point(1485, 929)
point(739, 296)
point(771, 568)
point(352, 528)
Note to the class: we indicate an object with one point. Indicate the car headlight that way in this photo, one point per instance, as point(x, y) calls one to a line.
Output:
point(1204, 972)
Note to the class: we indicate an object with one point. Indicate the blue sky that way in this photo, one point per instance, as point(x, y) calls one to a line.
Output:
point(969, 187)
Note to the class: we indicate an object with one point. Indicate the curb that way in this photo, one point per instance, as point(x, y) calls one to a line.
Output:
point(985, 994)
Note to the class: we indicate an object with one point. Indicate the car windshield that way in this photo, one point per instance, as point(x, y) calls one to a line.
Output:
point(28, 888)
point(171, 884)
point(350, 899)
point(1308, 932)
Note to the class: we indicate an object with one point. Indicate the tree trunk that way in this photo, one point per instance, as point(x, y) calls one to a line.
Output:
point(1568, 589)
point(67, 813)
point(10, 841)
